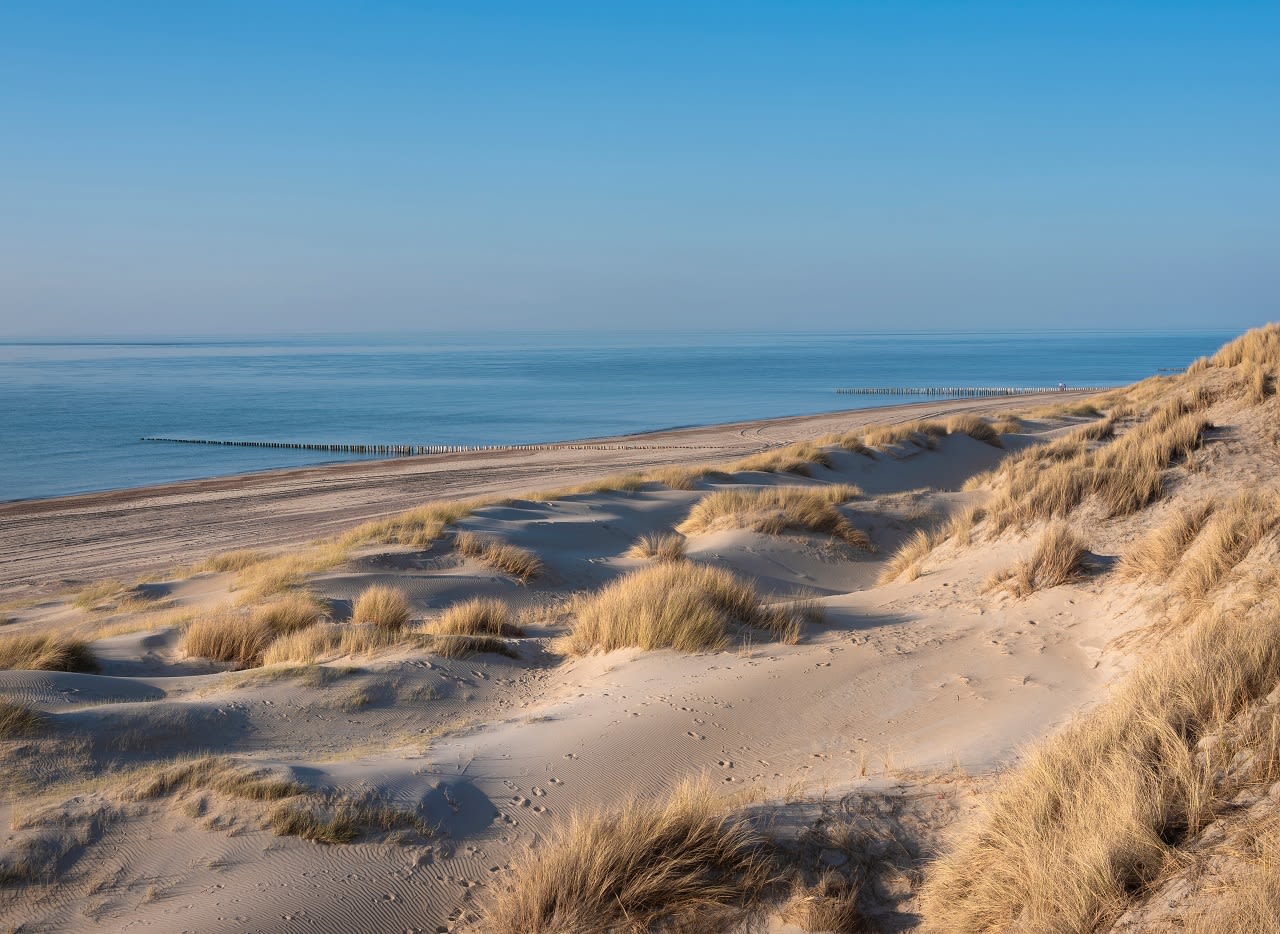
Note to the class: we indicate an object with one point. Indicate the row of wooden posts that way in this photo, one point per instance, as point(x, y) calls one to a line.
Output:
point(411, 450)
point(961, 391)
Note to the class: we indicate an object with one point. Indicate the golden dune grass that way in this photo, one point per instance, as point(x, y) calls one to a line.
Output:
point(1059, 558)
point(681, 863)
point(1246, 891)
point(658, 547)
point(383, 607)
point(684, 606)
point(419, 526)
point(1009, 425)
point(794, 458)
point(335, 818)
point(307, 646)
point(920, 433)
point(212, 773)
point(1159, 553)
point(1256, 383)
point(228, 635)
point(977, 428)
point(479, 616)
point(684, 478)
point(830, 904)
point(1260, 346)
point(1093, 815)
point(1228, 536)
point(520, 563)
point(274, 575)
point(774, 510)
point(906, 560)
point(232, 561)
point(18, 720)
point(45, 653)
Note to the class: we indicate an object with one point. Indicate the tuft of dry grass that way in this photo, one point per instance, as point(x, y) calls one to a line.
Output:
point(1059, 558)
point(977, 428)
point(419, 526)
point(774, 510)
point(1010, 425)
point(684, 478)
point(795, 458)
point(476, 617)
point(921, 434)
point(284, 572)
point(18, 720)
point(1247, 896)
point(229, 561)
point(212, 773)
point(45, 653)
point(683, 606)
point(830, 904)
point(386, 608)
point(307, 646)
point(908, 557)
point(1160, 552)
point(232, 636)
point(658, 547)
point(520, 563)
point(1226, 539)
point(336, 818)
point(1260, 346)
point(682, 864)
point(1094, 815)
point(290, 613)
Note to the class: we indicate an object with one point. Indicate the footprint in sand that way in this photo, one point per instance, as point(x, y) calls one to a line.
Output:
point(725, 763)
point(694, 735)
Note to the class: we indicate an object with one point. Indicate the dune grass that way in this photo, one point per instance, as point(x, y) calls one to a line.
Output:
point(212, 773)
point(520, 563)
point(229, 561)
point(419, 526)
point(1228, 536)
point(1157, 554)
point(1246, 897)
point(977, 428)
point(797, 458)
point(1260, 346)
point(658, 546)
point(1009, 425)
point(681, 863)
point(19, 720)
point(830, 904)
point(922, 434)
point(335, 818)
point(1060, 557)
point(1094, 815)
point(383, 607)
point(778, 509)
point(54, 652)
point(229, 635)
point(273, 575)
point(680, 477)
point(906, 560)
point(478, 616)
point(684, 606)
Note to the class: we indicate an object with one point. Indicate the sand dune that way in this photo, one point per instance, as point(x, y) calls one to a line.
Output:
point(390, 780)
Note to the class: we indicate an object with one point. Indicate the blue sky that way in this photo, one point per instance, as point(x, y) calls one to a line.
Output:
point(250, 167)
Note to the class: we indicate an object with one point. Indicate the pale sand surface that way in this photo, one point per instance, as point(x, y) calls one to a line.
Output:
point(914, 685)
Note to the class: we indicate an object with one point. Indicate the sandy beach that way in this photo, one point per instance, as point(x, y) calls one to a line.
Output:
point(302, 701)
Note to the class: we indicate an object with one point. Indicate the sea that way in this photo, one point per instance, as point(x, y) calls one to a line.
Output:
point(73, 414)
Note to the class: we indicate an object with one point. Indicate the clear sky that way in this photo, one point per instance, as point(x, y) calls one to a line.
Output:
point(222, 167)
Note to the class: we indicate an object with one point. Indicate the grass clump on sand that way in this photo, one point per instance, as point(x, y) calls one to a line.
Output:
point(229, 561)
point(682, 864)
point(909, 558)
point(386, 608)
point(1094, 815)
point(46, 653)
point(476, 617)
point(922, 434)
point(18, 720)
point(1160, 552)
point(520, 563)
point(260, 579)
point(233, 636)
point(830, 904)
point(977, 428)
point(216, 774)
point(1226, 539)
point(419, 526)
point(683, 606)
point(337, 818)
point(1059, 558)
point(795, 458)
point(774, 510)
point(658, 547)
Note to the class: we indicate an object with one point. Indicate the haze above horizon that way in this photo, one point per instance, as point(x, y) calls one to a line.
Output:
point(183, 170)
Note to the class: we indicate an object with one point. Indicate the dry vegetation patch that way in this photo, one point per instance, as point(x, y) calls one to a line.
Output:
point(658, 546)
point(977, 428)
point(46, 653)
point(336, 818)
point(921, 434)
point(1160, 552)
point(520, 563)
point(479, 616)
point(774, 510)
point(682, 863)
point(383, 607)
point(683, 606)
point(794, 458)
point(1059, 558)
point(1094, 815)
point(18, 720)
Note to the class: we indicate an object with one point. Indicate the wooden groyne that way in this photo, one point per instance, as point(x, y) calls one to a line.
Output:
point(963, 392)
point(417, 450)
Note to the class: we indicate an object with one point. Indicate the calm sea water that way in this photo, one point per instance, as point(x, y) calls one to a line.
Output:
point(72, 415)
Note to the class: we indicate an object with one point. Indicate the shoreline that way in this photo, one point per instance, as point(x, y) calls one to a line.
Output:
point(77, 538)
